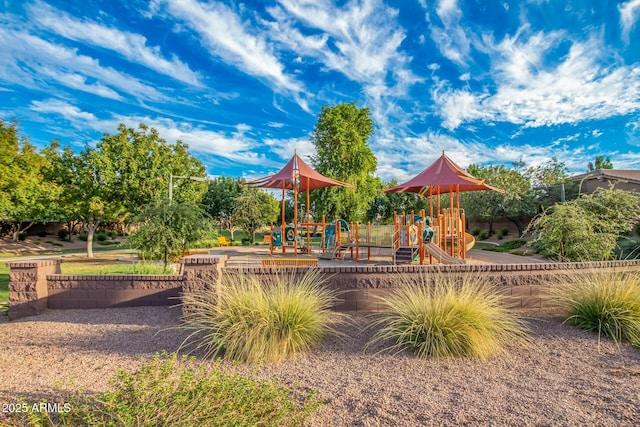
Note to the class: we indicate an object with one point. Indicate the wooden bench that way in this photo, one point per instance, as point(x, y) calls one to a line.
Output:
point(289, 262)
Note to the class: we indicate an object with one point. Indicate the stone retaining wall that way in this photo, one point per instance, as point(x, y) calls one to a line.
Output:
point(36, 285)
point(112, 290)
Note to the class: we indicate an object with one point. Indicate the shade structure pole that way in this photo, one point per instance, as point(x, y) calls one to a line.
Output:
point(308, 220)
point(431, 203)
point(295, 218)
point(283, 233)
point(451, 222)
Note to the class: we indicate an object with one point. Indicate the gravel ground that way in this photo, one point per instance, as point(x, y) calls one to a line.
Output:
point(567, 377)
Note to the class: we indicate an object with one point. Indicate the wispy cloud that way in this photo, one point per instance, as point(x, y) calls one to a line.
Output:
point(360, 40)
point(451, 38)
point(585, 84)
point(285, 148)
point(226, 36)
point(33, 62)
point(131, 46)
point(236, 146)
point(629, 15)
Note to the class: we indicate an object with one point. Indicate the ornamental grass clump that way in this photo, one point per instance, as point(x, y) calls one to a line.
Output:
point(607, 303)
point(261, 318)
point(447, 316)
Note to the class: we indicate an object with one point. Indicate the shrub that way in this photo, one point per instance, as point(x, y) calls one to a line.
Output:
point(483, 235)
point(475, 231)
point(101, 237)
point(83, 236)
point(42, 234)
point(503, 231)
point(513, 244)
point(257, 319)
point(451, 317)
point(63, 234)
point(169, 391)
point(607, 303)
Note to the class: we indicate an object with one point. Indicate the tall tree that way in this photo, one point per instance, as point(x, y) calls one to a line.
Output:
point(25, 197)
point(136, 165)
point(220, 199)
point(62, 171)
point(600, 162)
point(340, 138)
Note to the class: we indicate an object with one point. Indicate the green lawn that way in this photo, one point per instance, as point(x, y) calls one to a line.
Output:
point(4, 283)
point(114, 268)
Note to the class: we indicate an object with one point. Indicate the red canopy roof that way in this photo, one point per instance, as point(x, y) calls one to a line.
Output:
point(309, 179)
point(443, 176)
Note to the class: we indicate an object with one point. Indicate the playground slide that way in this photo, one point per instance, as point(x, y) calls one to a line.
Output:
point(440, 255)
point(469, 241)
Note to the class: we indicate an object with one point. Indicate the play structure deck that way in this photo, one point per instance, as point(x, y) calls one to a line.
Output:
point(410, 238)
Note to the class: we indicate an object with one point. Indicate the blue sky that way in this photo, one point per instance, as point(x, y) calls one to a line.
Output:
point(243, 82)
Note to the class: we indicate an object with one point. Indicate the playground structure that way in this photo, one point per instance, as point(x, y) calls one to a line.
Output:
point(410, 238)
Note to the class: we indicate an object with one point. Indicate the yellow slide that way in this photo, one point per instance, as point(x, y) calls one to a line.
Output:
point(469, 241)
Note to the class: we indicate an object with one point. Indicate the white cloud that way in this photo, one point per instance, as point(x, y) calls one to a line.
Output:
point(67, 111)
point(633, 132)
point(227, 37)
point(584, 85)
point(34, 62)
point(451, 38)
point(361, 40)
point(131, 46)
point(233, 146)
point(285, 148)
point(629, 14)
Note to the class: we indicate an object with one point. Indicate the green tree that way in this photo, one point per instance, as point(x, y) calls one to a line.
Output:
point(550, 181)
point(220, 199)
point(253, 209)
point(62, 171)
point(385, 204)
point(515, 204)
point(167, 229)
point(136, 164)
point(587, 228)
point(600, 162)
point(340, 138)
point(25, 197)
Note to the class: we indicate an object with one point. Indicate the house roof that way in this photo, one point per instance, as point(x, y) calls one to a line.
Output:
point(631, 175)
